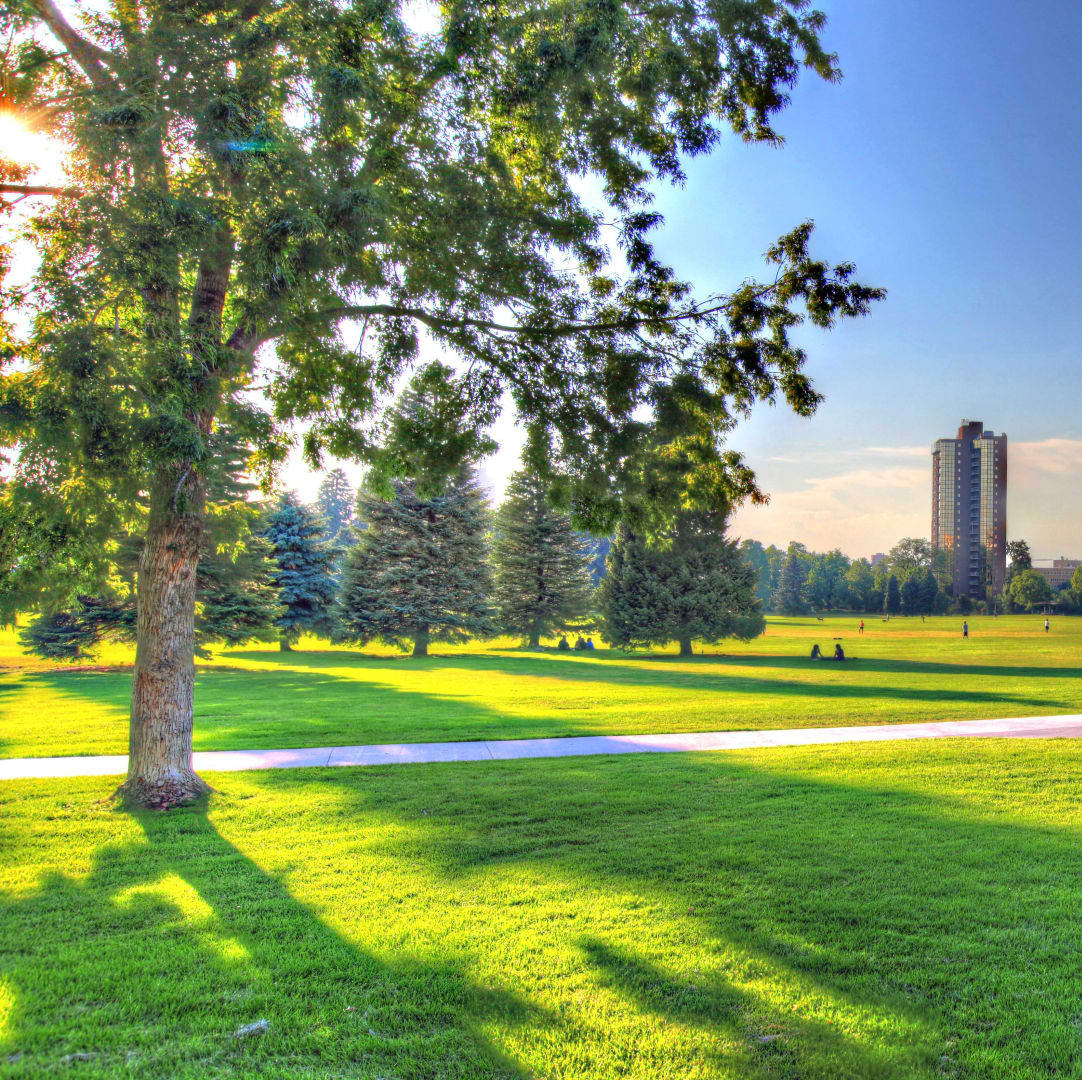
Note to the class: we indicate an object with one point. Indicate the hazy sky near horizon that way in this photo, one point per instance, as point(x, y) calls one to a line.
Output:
point(946, 165)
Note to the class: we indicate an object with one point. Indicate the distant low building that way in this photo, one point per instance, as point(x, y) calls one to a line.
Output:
point(1057, 572)
point(878, 557)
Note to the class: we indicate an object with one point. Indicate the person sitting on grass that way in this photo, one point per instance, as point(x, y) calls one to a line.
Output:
point(839, 652)
point(815, 653)
point(580, 644)
point(562, 644)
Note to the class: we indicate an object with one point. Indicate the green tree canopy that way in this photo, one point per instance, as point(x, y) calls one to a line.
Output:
point(1029, 590)
point(322, 177)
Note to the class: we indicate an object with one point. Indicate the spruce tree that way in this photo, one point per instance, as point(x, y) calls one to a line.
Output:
point(789, 597)
point(542, 566)
point(420, 570)
point(335, 502)
point(693, 586)
point(304, 574)
point(913, 594)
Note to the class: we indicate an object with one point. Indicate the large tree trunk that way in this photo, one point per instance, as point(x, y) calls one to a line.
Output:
point(160, 771)
point(284, 645)
point(685, 647)
point(535, 639)
point(420, 641)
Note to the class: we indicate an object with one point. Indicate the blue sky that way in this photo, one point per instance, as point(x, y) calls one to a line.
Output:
point(945, 164)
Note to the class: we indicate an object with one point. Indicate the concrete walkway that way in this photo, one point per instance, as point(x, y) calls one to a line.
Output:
point(1030, 727)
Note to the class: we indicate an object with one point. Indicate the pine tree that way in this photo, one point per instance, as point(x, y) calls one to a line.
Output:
point(335, 503)
point(542, 579)
point(929, 592)
point(696, 587)
point(789, 598)
point(420, 570)
point(305, 572)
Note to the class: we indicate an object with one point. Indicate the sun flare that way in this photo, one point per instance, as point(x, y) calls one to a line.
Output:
point(23, 145)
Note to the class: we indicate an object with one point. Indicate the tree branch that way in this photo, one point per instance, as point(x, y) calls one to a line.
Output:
point(35, 189)
point(93, 59)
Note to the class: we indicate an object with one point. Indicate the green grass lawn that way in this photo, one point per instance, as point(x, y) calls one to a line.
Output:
point(257, 697)
point(891, 910)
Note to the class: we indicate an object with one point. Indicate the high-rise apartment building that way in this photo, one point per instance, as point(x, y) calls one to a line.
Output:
point(969, 507)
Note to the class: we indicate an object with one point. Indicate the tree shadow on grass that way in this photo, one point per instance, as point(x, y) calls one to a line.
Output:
point(939, 934)
point(149, 965)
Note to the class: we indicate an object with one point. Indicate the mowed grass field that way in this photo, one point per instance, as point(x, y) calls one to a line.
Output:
point(258, 697)
point(878, 911)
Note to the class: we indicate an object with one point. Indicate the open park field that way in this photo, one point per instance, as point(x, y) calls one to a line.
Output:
point(259, 698)
point(895, 910)
point(880, 911)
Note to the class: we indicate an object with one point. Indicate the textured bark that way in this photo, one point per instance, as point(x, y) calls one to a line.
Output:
point(420, 641)
point(160, 773)
point(535, 640)
point(284, 645)
point(685, 647)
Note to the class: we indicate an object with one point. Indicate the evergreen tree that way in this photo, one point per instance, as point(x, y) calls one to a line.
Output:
point(420, 570)
point(929, 592)
point(334, 504)
point(75, 634)
point(697, 587)
point(542, 566)
point(304, 574)
point(1020, 559)
point(789, 598)
point(892, 602)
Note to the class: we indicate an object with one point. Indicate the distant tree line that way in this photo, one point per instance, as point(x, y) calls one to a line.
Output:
point(910, 580)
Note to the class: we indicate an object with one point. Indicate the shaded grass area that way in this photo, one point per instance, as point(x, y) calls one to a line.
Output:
point(904, 670)
point(888, 910)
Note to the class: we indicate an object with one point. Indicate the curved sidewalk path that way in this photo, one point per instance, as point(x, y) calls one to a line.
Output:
point(1030, 727)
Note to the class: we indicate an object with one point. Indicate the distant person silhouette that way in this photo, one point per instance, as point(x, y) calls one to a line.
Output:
point(839, 652)
point(965, 629)
point(589, 643)
point(862, 626)
point(815, 653)
point(580, 644)
point(1046, 626)
point(562, 644)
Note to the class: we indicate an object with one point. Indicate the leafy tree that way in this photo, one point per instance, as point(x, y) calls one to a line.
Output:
point(789, 597)
point(1030, 589)
point(542, 579)
point(892, 602)
point(756, 556)
point(910, 556)
point(319, 176)
point(697, 587)
point(420, 570)
point(1018, 559)
point(913, 595)
point(825, 587)
point(860, 583)
point(334, 504)
point(304, 574)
